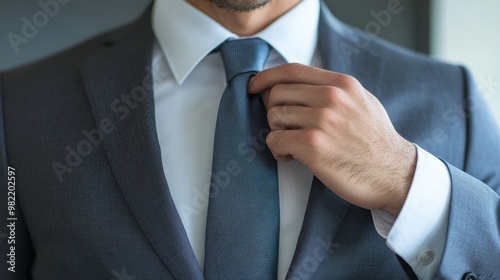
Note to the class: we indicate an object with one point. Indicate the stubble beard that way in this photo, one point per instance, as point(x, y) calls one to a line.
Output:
point(240, 6)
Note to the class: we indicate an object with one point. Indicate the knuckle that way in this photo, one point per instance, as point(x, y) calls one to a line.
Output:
point(312, 138)
point(349, 82)
point(336, 96)
point(272, 116)
point(331, 92)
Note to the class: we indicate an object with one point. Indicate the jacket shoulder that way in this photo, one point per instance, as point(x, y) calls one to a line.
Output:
point(68, 61)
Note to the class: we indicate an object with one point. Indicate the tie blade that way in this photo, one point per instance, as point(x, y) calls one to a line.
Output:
point(242, 235)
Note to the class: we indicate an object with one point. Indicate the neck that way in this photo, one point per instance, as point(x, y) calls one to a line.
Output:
point(245, 23)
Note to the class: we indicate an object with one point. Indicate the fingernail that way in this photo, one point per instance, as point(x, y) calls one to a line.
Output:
point(250, 82)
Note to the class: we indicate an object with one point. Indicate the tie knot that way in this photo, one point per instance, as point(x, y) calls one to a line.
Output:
point(243, 56)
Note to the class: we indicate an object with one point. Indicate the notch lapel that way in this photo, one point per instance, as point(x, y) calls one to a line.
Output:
point(346, 51)
point(118, 82)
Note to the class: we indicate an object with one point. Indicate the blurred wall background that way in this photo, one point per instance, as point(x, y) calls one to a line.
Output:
point(458, 31)
point(467, 32)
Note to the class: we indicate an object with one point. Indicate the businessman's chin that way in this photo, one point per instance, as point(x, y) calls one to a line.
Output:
point(240, 6)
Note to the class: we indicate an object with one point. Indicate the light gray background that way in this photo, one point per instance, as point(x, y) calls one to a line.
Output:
point(467, 32)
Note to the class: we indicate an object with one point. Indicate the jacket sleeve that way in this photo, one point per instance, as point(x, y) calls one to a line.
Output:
point(16, 250)
point(473, 239)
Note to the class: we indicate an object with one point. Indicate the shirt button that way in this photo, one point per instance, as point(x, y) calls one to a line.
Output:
point(426, 256)
point(469, 276)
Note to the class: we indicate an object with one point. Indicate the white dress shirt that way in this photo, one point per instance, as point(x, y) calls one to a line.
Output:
point(188, 84)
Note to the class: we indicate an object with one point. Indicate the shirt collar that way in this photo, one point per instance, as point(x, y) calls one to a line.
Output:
point(186, 42)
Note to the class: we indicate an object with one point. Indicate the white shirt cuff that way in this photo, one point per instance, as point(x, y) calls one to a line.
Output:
point(418, 234)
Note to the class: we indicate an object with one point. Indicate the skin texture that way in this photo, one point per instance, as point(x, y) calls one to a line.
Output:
point(244, 17)
point(340, 131)
point(328, 121)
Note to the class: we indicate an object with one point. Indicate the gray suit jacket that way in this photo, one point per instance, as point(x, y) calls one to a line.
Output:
point(96, 205)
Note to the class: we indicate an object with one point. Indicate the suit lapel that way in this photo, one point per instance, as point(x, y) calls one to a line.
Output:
point(119, 87)
point(346, 51)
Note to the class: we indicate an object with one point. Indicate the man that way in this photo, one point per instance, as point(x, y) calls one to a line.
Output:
point(384, 143)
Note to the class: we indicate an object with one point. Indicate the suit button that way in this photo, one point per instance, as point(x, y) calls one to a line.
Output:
point(469, 276)
point(426, 256)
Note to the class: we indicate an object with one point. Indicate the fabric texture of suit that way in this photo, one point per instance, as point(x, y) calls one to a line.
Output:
point(112, 212)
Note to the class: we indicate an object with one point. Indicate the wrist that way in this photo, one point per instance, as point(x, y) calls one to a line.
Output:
point(407, 160)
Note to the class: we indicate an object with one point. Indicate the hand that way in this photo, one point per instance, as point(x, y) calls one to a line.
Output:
point(340, 131)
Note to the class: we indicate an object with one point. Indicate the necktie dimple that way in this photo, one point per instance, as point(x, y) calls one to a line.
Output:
point(242, 233)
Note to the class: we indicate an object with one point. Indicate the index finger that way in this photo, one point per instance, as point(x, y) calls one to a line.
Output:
point(297, 74)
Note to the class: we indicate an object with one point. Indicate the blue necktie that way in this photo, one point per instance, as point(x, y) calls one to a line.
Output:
point(242, 234)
